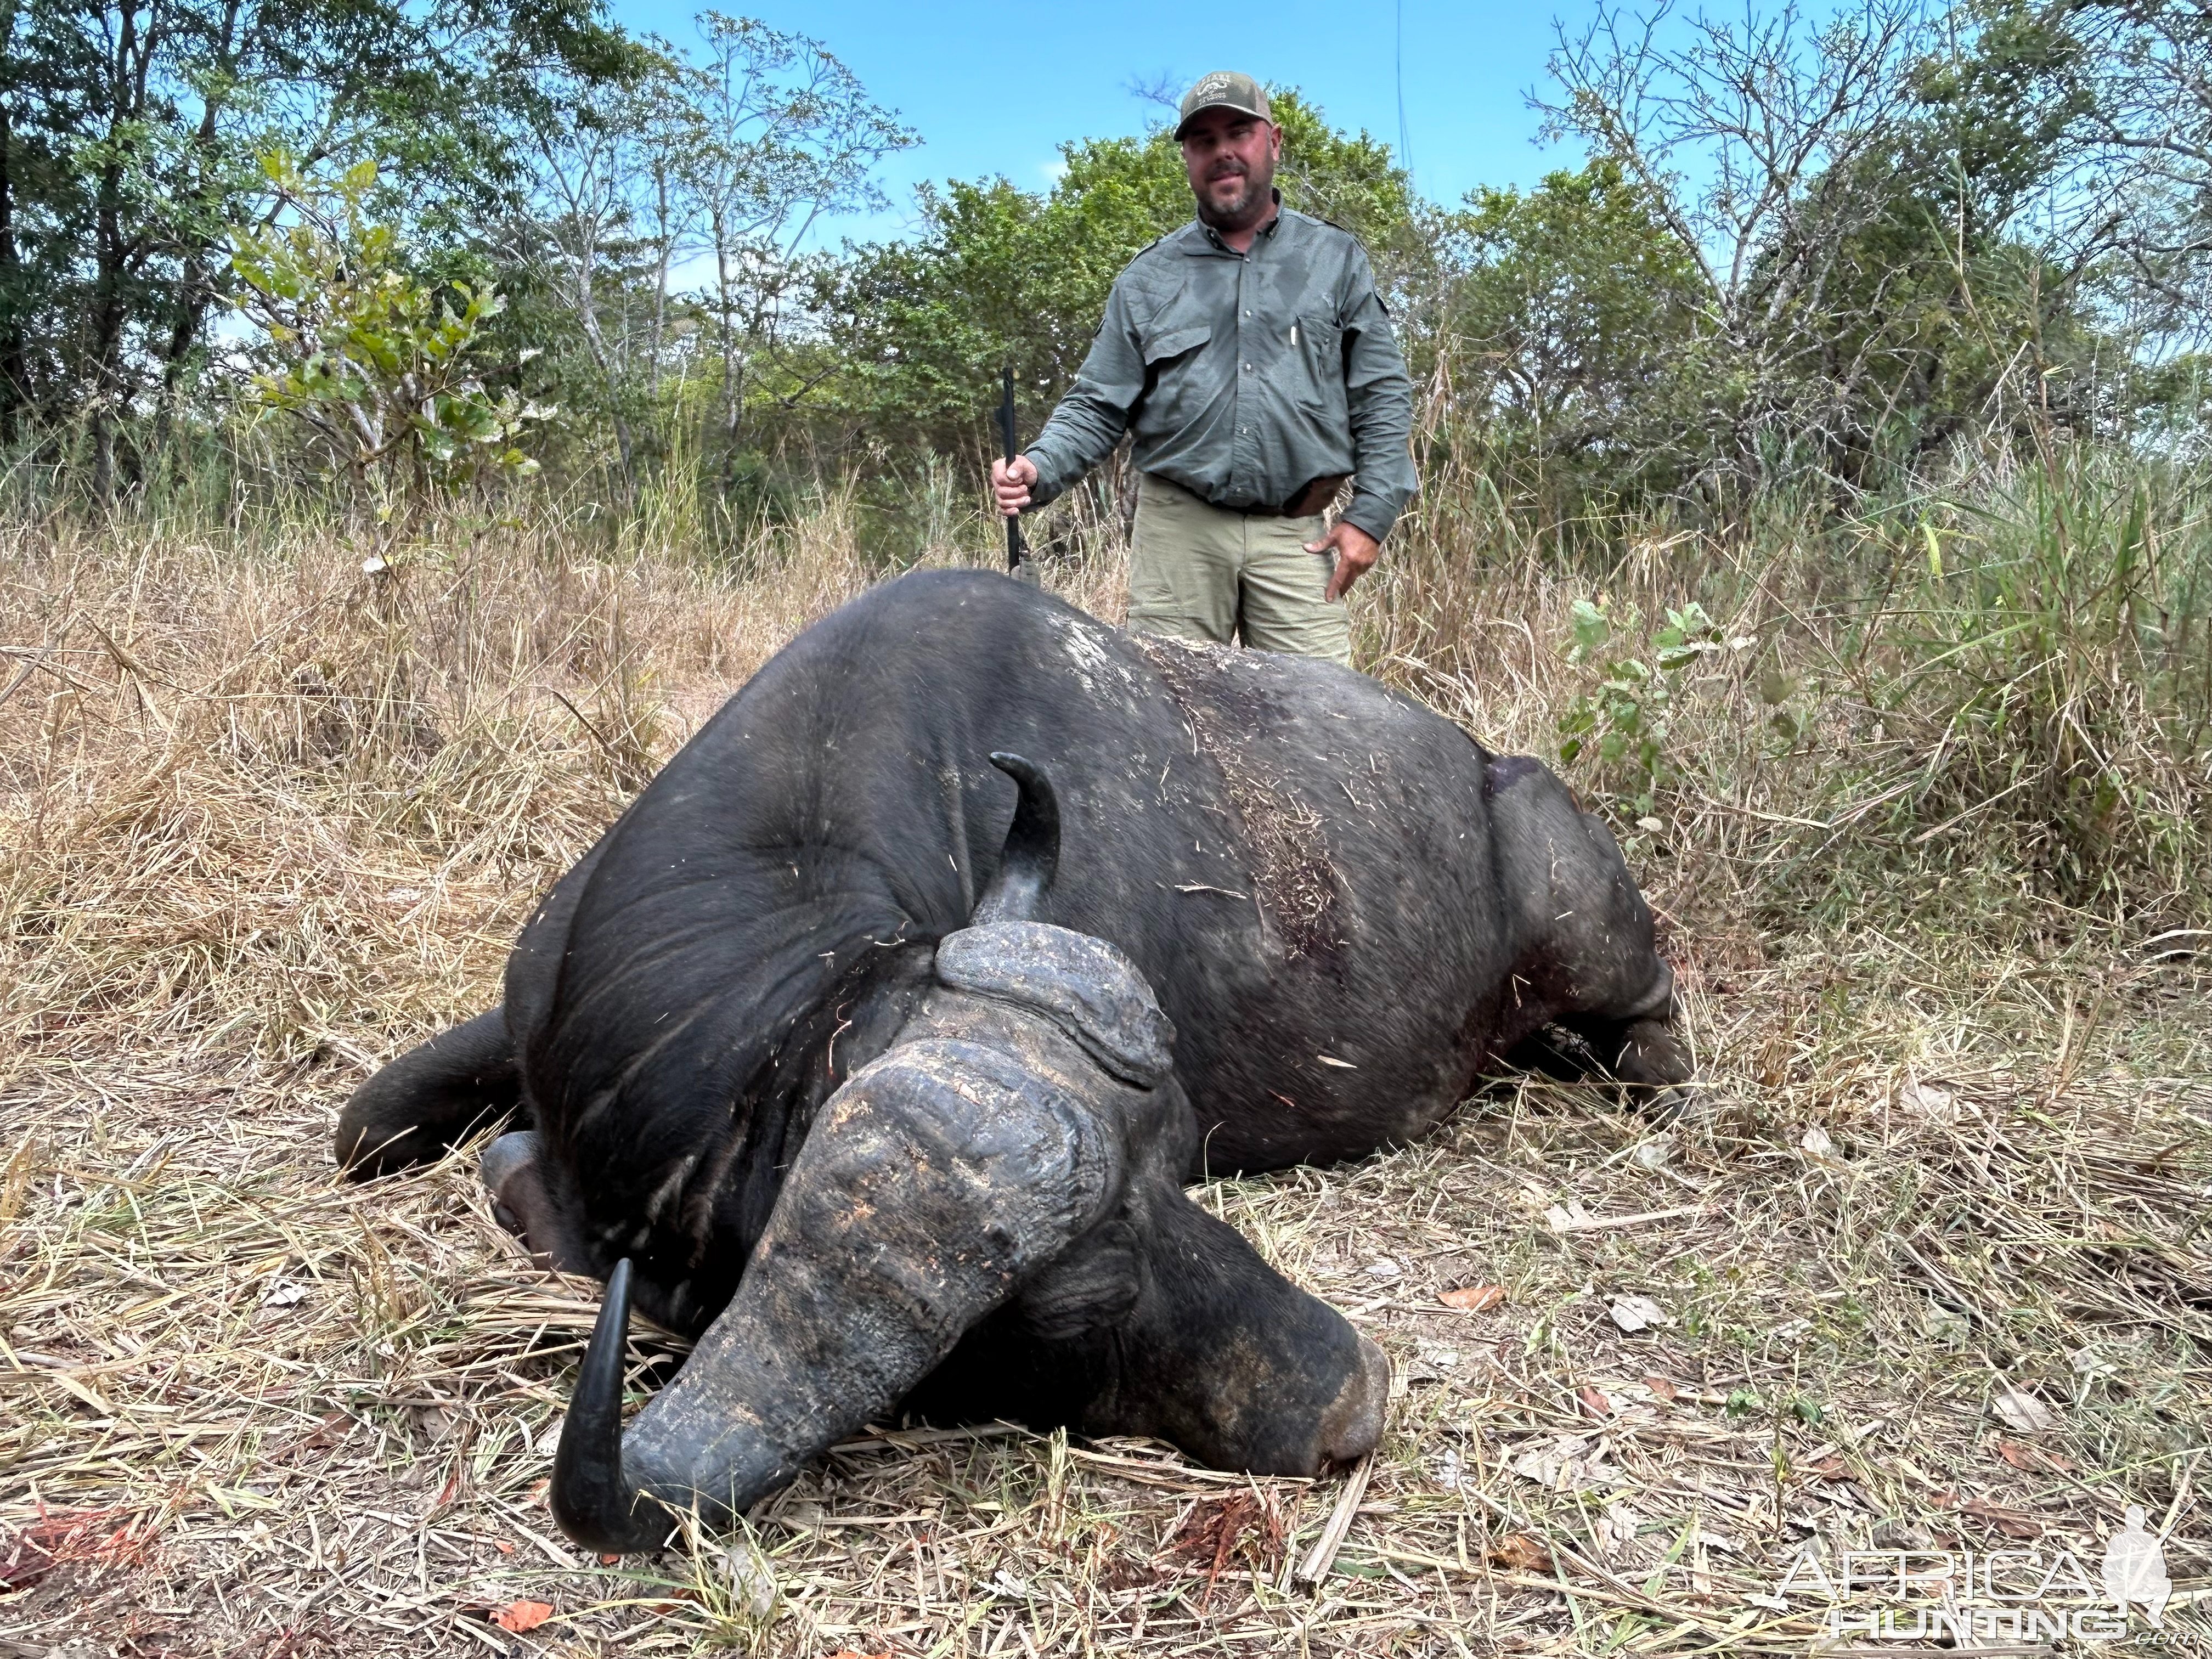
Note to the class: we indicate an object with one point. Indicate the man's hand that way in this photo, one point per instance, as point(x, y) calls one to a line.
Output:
point(1355, 555)
point(1011, 481)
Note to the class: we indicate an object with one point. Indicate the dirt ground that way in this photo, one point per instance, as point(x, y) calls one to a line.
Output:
point(1926, 1270)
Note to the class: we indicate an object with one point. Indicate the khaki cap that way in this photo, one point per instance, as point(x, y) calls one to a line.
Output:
point(1223, 89)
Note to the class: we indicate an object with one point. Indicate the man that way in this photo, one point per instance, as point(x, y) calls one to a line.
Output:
point(1253, 361)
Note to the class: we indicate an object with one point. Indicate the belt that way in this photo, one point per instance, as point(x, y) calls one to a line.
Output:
point(1315, 497)
point(1310, 499)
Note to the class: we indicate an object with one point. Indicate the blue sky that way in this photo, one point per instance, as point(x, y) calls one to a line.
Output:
point(996, 88)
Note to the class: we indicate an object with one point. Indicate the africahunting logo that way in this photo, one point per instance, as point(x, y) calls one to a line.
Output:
point(1966, 1597)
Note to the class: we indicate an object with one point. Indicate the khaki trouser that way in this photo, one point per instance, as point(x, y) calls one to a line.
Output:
point(1202, 572)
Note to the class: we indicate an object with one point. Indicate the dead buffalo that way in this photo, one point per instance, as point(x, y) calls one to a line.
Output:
point(881, 1074)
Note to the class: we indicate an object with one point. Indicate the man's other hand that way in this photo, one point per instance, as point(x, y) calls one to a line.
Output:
point(1011, 481)
point(1355, 552)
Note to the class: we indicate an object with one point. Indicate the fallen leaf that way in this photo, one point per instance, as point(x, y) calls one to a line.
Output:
point(1925, 1100)
point(1518, 1552)
point(1383, 1268)
point(1548, 1462)
point(2021, 1410)
point(1448, 1468)
point(2011, 1522)
point(1565, 1217)
point(502, 1547)
point(1565, 1464)
point(1616, 1529)
point(1944, 1325)
point(852, 1653)
point(1661, 1387)
point(520, 1616)
point(25, 1565)
point(1435, 1359)
point(1594, 1403)
point(1475, 1298)
point(1637, 1312)
point(2033, 1460)
point(2087, 1362)
point(1829, 1469)
point(1342, 1065)
point(1817, 1143)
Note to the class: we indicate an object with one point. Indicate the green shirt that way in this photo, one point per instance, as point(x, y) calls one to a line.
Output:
point(1244, 377)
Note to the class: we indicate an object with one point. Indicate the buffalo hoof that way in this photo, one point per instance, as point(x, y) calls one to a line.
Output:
point(1643, 1059)
point(1654, 1070)
point(522, 1202)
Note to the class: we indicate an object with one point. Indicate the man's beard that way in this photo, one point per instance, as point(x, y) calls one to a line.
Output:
point(1259, 187)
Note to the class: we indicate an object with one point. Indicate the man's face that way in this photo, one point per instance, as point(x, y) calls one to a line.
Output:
point(1231, 158)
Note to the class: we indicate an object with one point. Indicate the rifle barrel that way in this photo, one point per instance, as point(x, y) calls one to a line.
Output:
point(1015, 547)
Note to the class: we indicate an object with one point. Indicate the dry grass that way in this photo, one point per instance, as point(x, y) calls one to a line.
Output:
point(264, 821)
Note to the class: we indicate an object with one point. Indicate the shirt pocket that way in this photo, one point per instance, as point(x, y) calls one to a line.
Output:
point(1163, 345)
point(1172, 348)
point(1317, 366)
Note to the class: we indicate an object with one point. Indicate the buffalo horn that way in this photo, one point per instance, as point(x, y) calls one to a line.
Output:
point(1031, 855)
point(595, 1503)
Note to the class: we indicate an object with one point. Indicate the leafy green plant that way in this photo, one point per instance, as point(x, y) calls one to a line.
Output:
point(385, 368)
point(1625, 705)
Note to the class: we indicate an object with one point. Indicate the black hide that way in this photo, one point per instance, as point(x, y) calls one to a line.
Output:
point(1348, 910)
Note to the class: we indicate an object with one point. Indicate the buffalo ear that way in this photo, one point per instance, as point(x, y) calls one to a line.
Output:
point(1032, 856)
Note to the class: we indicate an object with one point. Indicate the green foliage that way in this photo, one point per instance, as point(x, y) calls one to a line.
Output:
point(130, 138)
point(1574, 321)
point(2056, 636)
point(384, 367)
point(1623, 710)
point(1829, 255)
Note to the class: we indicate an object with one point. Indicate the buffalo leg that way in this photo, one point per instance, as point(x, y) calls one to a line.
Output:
point(431, 1098)
point(1166, 1322)
point(1587, 941)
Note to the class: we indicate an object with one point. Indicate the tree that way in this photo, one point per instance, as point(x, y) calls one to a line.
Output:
point(2115, 97)
point(385, 368)
point(129, 133)
point(606, 154)
point(716, 163)
point(1853, 198)
point(787, 137)
point(1575, 335)
point(1752, 144)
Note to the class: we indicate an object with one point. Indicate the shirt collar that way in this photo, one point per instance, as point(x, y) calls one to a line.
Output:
point(1202, 238)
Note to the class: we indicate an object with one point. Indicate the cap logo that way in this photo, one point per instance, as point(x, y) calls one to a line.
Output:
point(1211, 84)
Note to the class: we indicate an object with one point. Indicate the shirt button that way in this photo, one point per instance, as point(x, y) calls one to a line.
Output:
point(1248, 368)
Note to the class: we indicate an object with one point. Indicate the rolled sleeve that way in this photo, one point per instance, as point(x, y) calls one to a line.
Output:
point(1379, 395)
point(1091, 418)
